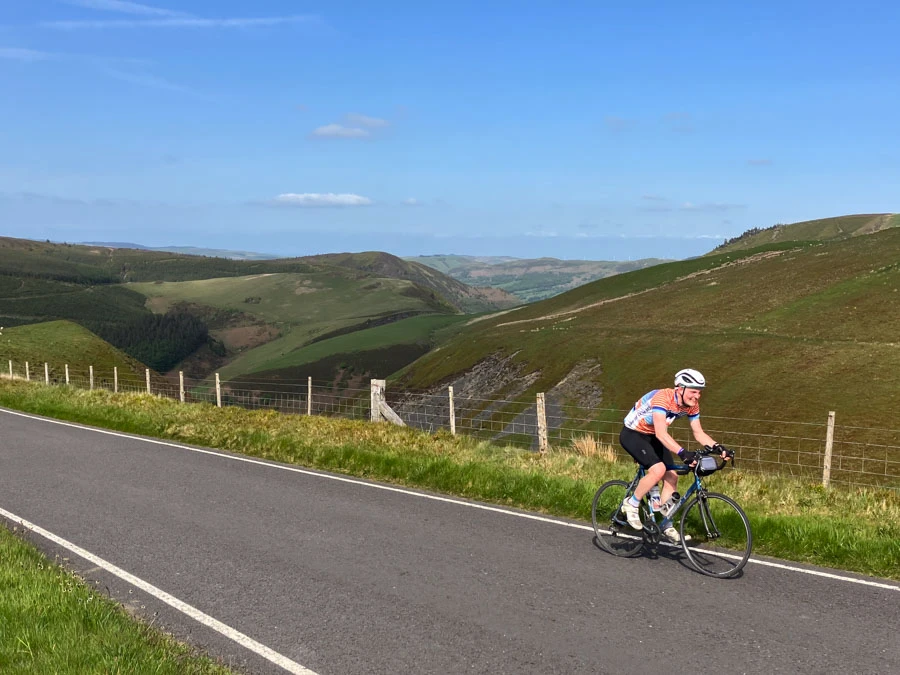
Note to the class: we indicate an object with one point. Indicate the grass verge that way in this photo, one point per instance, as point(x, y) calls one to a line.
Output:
point(850, 529)
point(52, 622)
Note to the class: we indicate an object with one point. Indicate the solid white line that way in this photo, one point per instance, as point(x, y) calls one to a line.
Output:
point(194, 613)
point(448, 500)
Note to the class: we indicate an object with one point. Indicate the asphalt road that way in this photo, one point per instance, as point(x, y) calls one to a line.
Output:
point(345, 576)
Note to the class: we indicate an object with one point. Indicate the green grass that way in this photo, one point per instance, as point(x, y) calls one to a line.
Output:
point(52, 622)
point(62, 342)
point(856, 530)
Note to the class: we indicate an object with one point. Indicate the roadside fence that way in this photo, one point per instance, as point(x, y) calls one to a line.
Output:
point(823, 451)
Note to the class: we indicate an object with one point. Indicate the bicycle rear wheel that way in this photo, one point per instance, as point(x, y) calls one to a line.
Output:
point(613, 532)
point(720, 535)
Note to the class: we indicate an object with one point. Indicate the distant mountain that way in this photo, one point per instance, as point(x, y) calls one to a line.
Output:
point(187, 250)
point(472, 298)
point(825, 229)
point(529, 279)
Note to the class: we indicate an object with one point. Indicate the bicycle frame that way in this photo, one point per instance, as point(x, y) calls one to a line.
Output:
point(695, 487)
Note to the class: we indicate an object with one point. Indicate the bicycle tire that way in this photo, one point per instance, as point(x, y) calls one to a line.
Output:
point(725, 553)
point(615, 538)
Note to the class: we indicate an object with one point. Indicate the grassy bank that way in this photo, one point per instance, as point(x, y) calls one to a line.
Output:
point(51, 622)
point(850, 529)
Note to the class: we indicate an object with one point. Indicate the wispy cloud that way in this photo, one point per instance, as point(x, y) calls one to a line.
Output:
point(366, 121)
point(111, 67)
point(759, 162)
point(181, 22)
point(147, 80)
point(125, 7)
point(709, 206)
point(614, 123)
point(339, 131)
point(315, 199)
point(353, 125)
point(411, 201)
point(26, 55)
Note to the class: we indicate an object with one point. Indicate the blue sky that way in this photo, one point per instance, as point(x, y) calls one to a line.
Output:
point(589, 129)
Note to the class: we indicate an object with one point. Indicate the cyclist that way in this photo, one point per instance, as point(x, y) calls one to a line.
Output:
point(646, 437)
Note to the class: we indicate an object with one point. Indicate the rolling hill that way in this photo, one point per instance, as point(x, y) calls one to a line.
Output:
point(825, 229)
point(785, 331)
point(528, 279)
point(63, 342)
point(161, 306)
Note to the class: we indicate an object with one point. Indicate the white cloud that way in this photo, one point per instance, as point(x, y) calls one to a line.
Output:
point(147, 80)
point(411, 201)
point(315, 199)
point(125, 7)
point(710, 206)
point(366, 121)
point(339, 131)
point(542, 233)
point(26, 55)
point(179, 22)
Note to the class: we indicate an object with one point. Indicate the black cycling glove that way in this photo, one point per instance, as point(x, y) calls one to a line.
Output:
point(688, 457)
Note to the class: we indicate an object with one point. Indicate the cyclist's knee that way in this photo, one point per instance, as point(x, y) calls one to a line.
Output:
point(657, 471)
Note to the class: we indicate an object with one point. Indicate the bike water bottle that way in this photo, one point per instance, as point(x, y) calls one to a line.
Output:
point(654, 499)
point(670, 504)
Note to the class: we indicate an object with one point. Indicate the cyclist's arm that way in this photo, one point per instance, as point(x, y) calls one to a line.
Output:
point(702, 437)
point(661, 429)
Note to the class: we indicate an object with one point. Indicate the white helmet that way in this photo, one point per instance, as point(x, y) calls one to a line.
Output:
point(692, 379)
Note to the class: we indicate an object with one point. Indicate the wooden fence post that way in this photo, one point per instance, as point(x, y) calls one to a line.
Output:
point(309, 395)
point(542, 423)
point(829, 445)
point(91, 374)
point(376, 396)
point(27, 372)
point(115, 379)
point(10, 369)
point(46, 373)
point(218, 392)
point(147, 375)
point(452, 411)
point(67, 373)
point(181, 386)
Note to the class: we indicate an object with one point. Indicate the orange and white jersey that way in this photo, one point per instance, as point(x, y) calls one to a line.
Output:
point(665, 401)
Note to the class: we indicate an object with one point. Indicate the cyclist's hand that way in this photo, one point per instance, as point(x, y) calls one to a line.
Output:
point(689, 457)
point(722, 450)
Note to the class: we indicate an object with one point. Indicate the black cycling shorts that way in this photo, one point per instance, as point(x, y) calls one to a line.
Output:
point(646, 449)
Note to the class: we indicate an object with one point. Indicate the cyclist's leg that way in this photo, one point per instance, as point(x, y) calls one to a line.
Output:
point(647, 451)
point(669, 477)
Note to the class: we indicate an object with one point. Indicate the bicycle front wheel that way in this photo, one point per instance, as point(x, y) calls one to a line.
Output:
point(720, 537)
point(613, 532)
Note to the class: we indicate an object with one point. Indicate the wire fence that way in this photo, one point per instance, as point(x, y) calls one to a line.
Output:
point(823, 451)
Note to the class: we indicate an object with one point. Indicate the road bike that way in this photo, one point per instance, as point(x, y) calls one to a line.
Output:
point(715, 532)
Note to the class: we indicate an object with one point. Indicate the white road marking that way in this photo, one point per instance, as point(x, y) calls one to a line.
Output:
point(448, 500)
point(193, 612)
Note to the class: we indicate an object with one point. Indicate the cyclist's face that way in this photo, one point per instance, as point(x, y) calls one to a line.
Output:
point(691, 396)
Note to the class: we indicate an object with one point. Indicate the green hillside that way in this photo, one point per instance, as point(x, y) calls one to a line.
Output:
point(468, 298)
point(62, 342)
point(529, 279)
point(299, 308)
point(825, 229)
point(784, 332)
point(162, 307)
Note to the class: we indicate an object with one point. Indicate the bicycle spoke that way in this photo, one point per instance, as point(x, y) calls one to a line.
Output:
point(610, 526)
point(720, 534)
